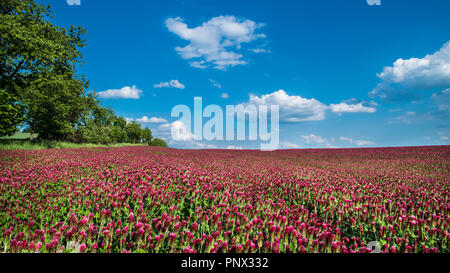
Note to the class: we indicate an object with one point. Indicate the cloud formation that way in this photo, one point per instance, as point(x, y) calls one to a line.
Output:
point(145, 119)
point(170, 84)
point(214, 42)
point(292, 108)
point(289, 145)
point(357, 141)
point(233, 147)
point(124, 93)
point(180, 132)
point(352, 106)
point(429, 72)
point(316, 140)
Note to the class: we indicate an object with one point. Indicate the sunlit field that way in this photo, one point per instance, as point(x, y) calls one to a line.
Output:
point(160, 200)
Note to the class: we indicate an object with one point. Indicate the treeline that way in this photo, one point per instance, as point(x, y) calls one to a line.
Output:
point(40, 89)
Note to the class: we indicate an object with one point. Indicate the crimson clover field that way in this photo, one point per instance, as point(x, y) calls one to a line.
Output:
point(148, 199)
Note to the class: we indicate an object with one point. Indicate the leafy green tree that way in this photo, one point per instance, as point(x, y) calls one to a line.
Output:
point(103, 116)
point(120, 122)
point(96, 123)
point(134, 132)
point(11, 114)
point(40, 86)
point(146, 136)
point(37, 67)
point(118, 135)
point(159, 142)
point(118, 132)
point(95, 133)
point(54, 106)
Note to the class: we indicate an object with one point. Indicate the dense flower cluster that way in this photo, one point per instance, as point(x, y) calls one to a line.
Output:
point(149, 199)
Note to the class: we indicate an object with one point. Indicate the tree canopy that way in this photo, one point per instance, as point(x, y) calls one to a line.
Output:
point(40, 88)
point(159, 142)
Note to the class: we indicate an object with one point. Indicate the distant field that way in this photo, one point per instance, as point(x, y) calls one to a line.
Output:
point(150, 199)
point(57, 145)
point(20, 141)
point(27, 145)
point(19, 136)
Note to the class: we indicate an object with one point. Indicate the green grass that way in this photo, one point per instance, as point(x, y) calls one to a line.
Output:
point(38, 145)
point(19, 136)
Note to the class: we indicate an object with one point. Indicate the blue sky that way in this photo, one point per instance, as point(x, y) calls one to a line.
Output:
point(345, 73)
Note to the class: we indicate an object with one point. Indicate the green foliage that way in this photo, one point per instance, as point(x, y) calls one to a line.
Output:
point(134, 132)
point(120, 122)
point(159, 142)
point(40, 88)
point(146, 136)
point(47, 144)
point(38, 63)
point(17, 136)
point(94, 133)
point(31, 46)
point(55, 103)
point(95, 124)
point(118, 135)
point(101, 125)
point(11, 114)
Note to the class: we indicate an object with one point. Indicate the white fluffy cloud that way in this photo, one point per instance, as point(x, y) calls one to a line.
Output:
point(364, 142)
point(145, 119)
point(292, 108)
point(357, 142)
point(172, 83)
point(123, 93)
point(165, 127)
point(353, 107)
point(224, 95)
point(316, 140)
point(346, 139)
point(198, 145)
point(431, 71)
point(198, 64)
point(289, 145)
point(233, 147)
point(213, 42)
point(182, 136)
point(178, 131)
point(162, 130)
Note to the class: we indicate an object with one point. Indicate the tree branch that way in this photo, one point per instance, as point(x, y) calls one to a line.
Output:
point(19, 66)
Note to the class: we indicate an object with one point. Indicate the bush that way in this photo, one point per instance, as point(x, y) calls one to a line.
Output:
point(159, 142)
